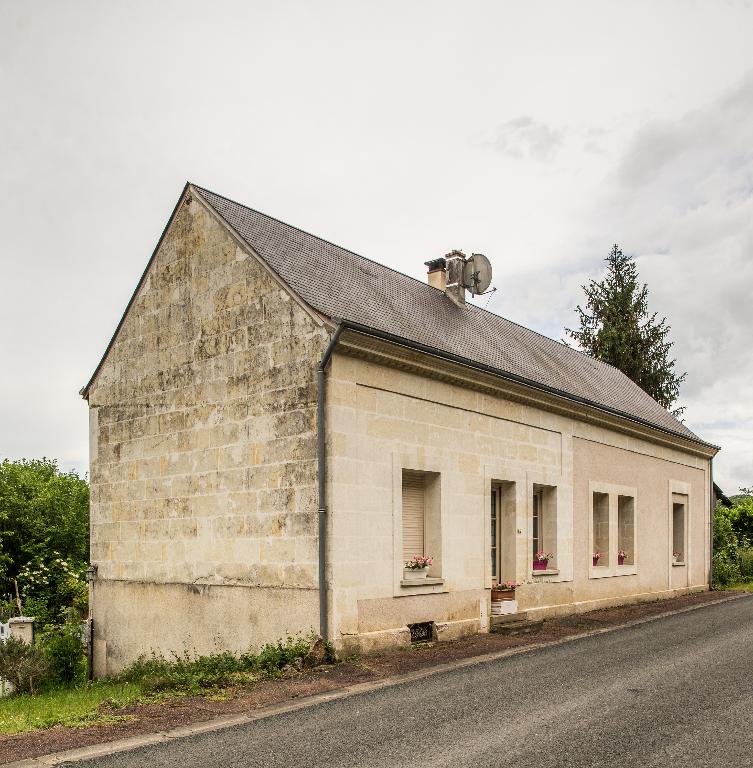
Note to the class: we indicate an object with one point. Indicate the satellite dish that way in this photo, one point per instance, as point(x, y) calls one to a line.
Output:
point(477, 273)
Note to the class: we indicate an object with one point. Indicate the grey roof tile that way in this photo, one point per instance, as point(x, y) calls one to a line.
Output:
point(339, 283)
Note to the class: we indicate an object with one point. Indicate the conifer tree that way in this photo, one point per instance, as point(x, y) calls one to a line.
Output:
point(616, 327)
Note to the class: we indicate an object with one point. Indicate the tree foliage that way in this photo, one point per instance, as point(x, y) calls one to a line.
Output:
point(44, 534)
point(733, 542)
point(616, 327)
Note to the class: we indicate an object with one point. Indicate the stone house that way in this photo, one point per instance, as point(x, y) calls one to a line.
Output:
point(278, 424)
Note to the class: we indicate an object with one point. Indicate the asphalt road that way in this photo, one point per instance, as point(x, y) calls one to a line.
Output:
point(677, 691)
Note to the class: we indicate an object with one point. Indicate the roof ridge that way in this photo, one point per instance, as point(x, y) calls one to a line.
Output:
point(318, 237)
point(404, 274)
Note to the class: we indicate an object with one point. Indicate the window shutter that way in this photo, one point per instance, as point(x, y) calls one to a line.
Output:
point(414, 491)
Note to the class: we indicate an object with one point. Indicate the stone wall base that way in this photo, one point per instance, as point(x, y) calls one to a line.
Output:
point(387, 639)
point(583, 606)
point(133, 618)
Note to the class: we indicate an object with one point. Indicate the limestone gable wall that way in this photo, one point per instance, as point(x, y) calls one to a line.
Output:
point(203, 440)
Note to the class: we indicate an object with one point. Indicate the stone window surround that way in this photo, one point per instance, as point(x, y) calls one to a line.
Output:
point(679, 488)
point(430, 465)
point(613, 491)
point(524, 482)
point(548, 506)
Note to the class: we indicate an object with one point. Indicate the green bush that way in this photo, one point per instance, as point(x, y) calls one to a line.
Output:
point(725, 536)
point(44, 536)
point(725, 570)
point(192, 674)
point(65, 654)
point(25, 667)
point(274, 657)
point(746, 564)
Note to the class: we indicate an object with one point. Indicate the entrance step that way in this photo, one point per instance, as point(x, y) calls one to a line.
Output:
point(509, 618)
point(514, 624)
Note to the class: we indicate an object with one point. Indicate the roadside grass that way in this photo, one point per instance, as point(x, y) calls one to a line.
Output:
point(739, 586)
point(84, 705)
point(150, 679)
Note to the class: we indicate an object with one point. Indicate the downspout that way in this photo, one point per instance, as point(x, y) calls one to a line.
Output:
point(712, 507)
point(321, 471)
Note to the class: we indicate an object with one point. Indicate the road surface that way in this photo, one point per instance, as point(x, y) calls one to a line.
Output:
point(673, 692)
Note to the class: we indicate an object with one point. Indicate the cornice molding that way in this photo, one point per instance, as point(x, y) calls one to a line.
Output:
point(387, 353)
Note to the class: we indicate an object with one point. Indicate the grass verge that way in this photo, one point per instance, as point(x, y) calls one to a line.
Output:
point(85, 705)
point(740, 586)
point(151, 678)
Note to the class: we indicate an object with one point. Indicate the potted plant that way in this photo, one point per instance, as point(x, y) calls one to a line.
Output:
point(596, 557)
point(677, 557)
point(417, 567)
point(541, 560)
point(621, 555)
point(504, 592)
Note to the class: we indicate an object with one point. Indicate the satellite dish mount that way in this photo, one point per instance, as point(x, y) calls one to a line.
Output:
point(465, 273)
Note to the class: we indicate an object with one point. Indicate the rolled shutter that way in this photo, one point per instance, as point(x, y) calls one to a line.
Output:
point(414, 492)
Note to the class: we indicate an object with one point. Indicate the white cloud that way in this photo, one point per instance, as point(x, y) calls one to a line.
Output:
point(524, 137)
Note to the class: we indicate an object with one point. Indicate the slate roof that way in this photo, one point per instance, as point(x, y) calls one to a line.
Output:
point(341, 284)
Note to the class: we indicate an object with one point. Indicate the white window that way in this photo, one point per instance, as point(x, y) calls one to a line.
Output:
point(625, 530)
point(613, 526)
point(544, 524)
point(600, 530)
point(678, 529)
point(421, 523)
point(538, 536)
point(414, 514)
point(495, 534)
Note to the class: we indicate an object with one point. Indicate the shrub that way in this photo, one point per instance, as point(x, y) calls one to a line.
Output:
point(45, 532)
point(725, 537)
point(186, 673)
point(746, 564)
point(52, 588)
point(65, 654)
point(24, 666)
point(725, 570)
point(192, 674)
point(273, 657)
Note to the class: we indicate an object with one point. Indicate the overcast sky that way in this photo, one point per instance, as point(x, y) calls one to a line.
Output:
point(536, 133)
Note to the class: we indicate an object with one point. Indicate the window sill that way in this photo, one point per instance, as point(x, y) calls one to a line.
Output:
point(679, 565)
point(427, 582)
point(606, 572)
point(549, 572)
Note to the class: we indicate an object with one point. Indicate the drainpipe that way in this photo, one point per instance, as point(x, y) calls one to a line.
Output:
point(712, 506)
point(321, 471)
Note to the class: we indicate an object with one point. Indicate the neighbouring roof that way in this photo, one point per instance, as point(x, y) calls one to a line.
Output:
point(341, 284)
point(721, 496)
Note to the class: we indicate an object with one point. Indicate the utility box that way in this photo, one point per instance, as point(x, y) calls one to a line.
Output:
point(22, 627)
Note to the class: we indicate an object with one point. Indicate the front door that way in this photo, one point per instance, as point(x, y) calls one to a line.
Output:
point(502, 534)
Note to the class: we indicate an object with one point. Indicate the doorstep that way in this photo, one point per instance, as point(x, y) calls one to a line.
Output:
point(514, 624)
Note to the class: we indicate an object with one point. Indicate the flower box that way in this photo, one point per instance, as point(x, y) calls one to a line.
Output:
point(417, 568)
point(540, 565)
point(504, 592)
point(500, 595)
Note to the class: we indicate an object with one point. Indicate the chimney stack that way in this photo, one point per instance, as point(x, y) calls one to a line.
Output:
point(454, 286)
point(437, 276)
